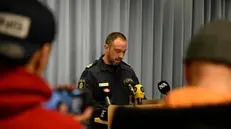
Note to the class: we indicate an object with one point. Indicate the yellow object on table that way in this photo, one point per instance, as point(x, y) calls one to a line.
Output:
point(98, 120)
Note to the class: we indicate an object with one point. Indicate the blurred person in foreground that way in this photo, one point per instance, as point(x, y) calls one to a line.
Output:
point(27, 30)
point(207, 68)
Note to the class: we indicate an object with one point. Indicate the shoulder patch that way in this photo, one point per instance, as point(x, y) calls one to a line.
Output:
point(91, 64)
point(81, 84)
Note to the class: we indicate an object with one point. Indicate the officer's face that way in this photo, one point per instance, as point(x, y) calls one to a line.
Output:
point(117, 51)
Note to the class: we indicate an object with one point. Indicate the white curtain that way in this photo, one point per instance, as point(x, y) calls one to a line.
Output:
point(157, 30)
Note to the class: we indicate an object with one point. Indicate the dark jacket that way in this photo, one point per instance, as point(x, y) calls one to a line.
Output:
point(98, 76)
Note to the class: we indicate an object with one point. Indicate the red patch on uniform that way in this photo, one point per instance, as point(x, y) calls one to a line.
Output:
point(106, 90)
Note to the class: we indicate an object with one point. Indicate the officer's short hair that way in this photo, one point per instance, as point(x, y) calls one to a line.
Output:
point(113, 36)
point(25, 27)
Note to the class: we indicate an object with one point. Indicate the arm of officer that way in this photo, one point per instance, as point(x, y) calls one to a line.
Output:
point(88, 83)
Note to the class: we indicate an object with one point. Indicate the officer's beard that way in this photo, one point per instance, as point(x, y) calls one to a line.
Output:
point(115, 62)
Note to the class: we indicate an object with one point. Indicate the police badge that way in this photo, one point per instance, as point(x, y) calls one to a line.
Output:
point(81, 84)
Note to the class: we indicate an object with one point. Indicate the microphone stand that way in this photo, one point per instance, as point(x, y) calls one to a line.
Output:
point(133, 95)
point(133, 101)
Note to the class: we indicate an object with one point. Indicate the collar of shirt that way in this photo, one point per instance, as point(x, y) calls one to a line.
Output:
point(109, 67)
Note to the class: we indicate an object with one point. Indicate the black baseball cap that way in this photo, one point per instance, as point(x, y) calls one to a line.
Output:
point(211, 43)
point(25, 25)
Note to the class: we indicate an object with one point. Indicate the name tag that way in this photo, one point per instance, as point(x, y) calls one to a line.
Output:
point(103, 84)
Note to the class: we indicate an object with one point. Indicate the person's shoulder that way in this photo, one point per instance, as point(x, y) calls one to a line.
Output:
point(92, 65)
point(188, 96)
point(181, 96)
point(91, 69)
point(40, 118)
point(125, 65)
point(65, 120)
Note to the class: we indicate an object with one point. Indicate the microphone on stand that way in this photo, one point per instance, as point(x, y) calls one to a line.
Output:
point(104, 115)
point(130, 84)
point(163, 87)
point(139, 93)
point(107, 93)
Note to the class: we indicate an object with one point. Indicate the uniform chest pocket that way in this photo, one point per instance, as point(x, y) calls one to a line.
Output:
point(104, 80)
point(102, 90)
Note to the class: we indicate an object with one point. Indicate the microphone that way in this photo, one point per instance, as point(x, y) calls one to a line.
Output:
point(139, 93)
point(107, 99)
point(163, 87)
point(130, 83)
point(103, 115)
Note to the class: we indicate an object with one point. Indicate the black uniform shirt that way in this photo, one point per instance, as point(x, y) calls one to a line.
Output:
point(99, 76)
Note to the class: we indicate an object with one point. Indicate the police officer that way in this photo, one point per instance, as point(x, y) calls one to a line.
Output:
point(109, 72)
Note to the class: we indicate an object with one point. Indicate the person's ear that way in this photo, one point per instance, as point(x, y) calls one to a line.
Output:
point(44, 56)
point(106, 48)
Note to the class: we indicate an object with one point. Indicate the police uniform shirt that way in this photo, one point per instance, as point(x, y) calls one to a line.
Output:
point(98, 76)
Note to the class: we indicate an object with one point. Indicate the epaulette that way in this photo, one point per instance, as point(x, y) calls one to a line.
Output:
point(91, 64)
point(126, 64)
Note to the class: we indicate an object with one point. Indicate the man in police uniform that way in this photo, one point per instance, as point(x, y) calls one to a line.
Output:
point(108, 74)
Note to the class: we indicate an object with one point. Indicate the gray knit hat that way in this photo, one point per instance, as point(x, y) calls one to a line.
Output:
point(211, 43)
